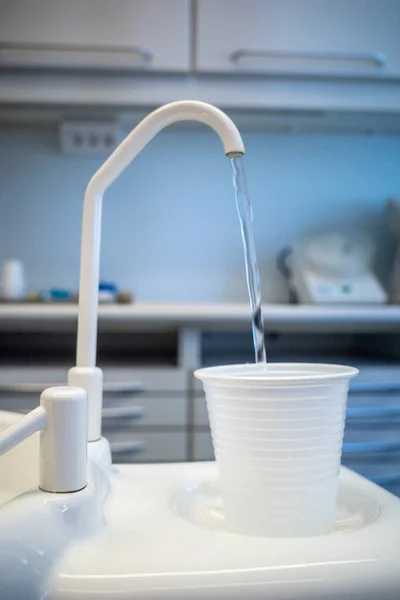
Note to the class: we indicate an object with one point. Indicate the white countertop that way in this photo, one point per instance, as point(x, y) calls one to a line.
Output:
point(277, 317)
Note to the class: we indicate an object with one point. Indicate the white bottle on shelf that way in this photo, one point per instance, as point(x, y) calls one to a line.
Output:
point(13, 280)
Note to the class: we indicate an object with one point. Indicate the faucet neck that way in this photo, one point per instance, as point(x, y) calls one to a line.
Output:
point(91, 231)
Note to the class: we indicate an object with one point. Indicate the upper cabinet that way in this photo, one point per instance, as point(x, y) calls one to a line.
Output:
point(320, 56)
point(337, 38)
point(133, 35)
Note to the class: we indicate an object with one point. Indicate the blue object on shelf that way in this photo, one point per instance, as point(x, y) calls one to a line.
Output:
point(107, 287)
point(54, 295)
point(107, 292)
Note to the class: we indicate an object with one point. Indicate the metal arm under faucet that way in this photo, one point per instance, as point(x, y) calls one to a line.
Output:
point(86, 375)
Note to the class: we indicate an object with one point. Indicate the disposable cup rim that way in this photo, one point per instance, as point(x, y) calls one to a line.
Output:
point(279, 374)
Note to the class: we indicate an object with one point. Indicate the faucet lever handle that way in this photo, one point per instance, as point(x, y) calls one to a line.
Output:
point(62, 420)
point(34, 421)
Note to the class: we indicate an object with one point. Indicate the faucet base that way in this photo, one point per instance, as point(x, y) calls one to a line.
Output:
point(91, 380)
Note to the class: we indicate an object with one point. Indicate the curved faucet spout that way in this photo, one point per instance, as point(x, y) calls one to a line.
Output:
point(186, 110)
point(85, 373)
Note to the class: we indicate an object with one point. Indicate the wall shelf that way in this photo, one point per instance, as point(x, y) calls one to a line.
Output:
point(143, 315)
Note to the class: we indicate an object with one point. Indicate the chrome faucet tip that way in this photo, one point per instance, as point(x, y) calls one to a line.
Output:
point(234, 154)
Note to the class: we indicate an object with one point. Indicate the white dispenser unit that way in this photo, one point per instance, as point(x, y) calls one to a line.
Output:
point(158, 531)
point(165, 539)
point(334, 269)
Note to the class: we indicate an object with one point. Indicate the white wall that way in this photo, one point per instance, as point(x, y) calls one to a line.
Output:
point(170, 230)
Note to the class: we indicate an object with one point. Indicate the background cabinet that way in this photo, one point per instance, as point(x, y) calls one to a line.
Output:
point(150, 35)
point(145, 416)
point(282, 56)
point(299, 37)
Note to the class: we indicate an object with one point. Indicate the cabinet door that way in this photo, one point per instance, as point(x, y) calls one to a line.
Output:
point(148, 446)
point(95, 34)
point(356, 38)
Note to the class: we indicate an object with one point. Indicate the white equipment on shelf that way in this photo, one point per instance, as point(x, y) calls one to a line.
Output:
point(334, 269)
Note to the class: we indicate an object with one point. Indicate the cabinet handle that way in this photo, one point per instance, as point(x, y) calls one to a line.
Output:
point(123, 412)
point(370, 412)
point(128, 446)
point(72, 55)
point(374, 60)
point(24, 388)
point(134, 387)
point(367, 447)
point(374, 386)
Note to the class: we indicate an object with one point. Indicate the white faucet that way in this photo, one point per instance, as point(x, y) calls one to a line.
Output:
point(86, 375)
point(65, 419)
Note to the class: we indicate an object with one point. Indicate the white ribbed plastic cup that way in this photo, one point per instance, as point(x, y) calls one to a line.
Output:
point(278, 433)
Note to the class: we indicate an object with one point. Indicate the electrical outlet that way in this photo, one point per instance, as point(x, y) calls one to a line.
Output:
point(86, 138)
